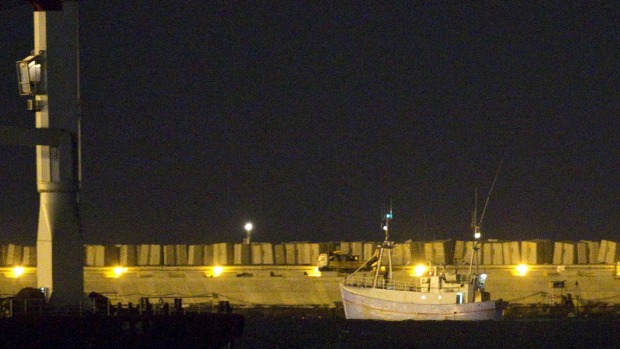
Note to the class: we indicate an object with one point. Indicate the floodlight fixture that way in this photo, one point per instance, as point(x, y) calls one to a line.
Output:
point(31, 75)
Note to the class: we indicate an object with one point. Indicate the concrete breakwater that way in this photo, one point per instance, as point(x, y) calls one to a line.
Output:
point(441, 252)
point(264, 286)
point(263, 274)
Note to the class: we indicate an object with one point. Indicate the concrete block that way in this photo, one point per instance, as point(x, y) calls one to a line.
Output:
point(511, 252)
point(127, 255)
point(326, 247)
point(194, 255)
point(154, 255)
point(300, 253)
point(207, 255)
point(261, 253)
point(402, 254)
point(267, 252)
point(470, 253)
point(429, 252)
point(418, 253)
point(3, 251)
point(369, 250)
point(290, 253)
point(558, 250)
point(345, 247)
point(593, 247)
point(506, 253)
point(537, 251)
point(223, 253)
point(99, 255)
point(90, 255)
point(607, 252)
point(357, 248)
point(242, 254)
point(303, 253)
point(546, 247)
point(439, 252)
point(314, 253)
point(279, 254)
point(528, 252)
point(498, 253)
point(112, 255)
point(459, 251)
point(256, 253)
point(487, 252)
point(143, 254)
point(568, 253)
point(14, 255)
point(169, 258)
point(180, 254)
point(582, 252)
point(397, 255)
point(29, 256)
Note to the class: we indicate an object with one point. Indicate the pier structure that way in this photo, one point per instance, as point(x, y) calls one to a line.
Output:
point(286, 274)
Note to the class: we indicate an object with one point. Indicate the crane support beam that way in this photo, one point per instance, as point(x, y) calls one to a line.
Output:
point(34, 136)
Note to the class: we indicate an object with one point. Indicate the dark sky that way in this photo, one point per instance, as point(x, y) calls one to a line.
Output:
point(307, 117)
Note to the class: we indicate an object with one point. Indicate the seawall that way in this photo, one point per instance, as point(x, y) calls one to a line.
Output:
point(254, 286)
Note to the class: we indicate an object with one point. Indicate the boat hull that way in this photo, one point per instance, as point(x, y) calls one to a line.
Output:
point(391, 305)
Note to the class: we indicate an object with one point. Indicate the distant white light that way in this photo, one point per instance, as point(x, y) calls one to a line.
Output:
point(248, 226)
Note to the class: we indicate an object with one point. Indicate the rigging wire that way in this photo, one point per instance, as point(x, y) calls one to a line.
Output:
point(490, 191)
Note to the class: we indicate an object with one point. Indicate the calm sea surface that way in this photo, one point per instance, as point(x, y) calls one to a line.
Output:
point(292, 332)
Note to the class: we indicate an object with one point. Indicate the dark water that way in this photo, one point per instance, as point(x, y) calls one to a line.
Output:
point(282, 332)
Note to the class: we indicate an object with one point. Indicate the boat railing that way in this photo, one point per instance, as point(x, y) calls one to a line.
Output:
point(367, 282)
point(413, 285)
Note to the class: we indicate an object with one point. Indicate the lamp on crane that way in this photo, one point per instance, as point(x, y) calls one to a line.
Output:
point(31, 78)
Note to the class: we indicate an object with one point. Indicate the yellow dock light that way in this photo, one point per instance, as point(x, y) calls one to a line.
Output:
point(521, 270)
point(314, 272)
point(117, 272)
point(217, 271)
point(420, 270)
point(17, 272)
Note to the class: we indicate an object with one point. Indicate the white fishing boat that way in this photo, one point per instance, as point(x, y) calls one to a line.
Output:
point(437, 295)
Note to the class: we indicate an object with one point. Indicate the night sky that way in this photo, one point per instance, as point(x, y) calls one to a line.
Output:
point(305, 118)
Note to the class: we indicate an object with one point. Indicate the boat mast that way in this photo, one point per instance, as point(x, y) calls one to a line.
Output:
point(476, 224)
point(385, 245)
point(477, 235)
